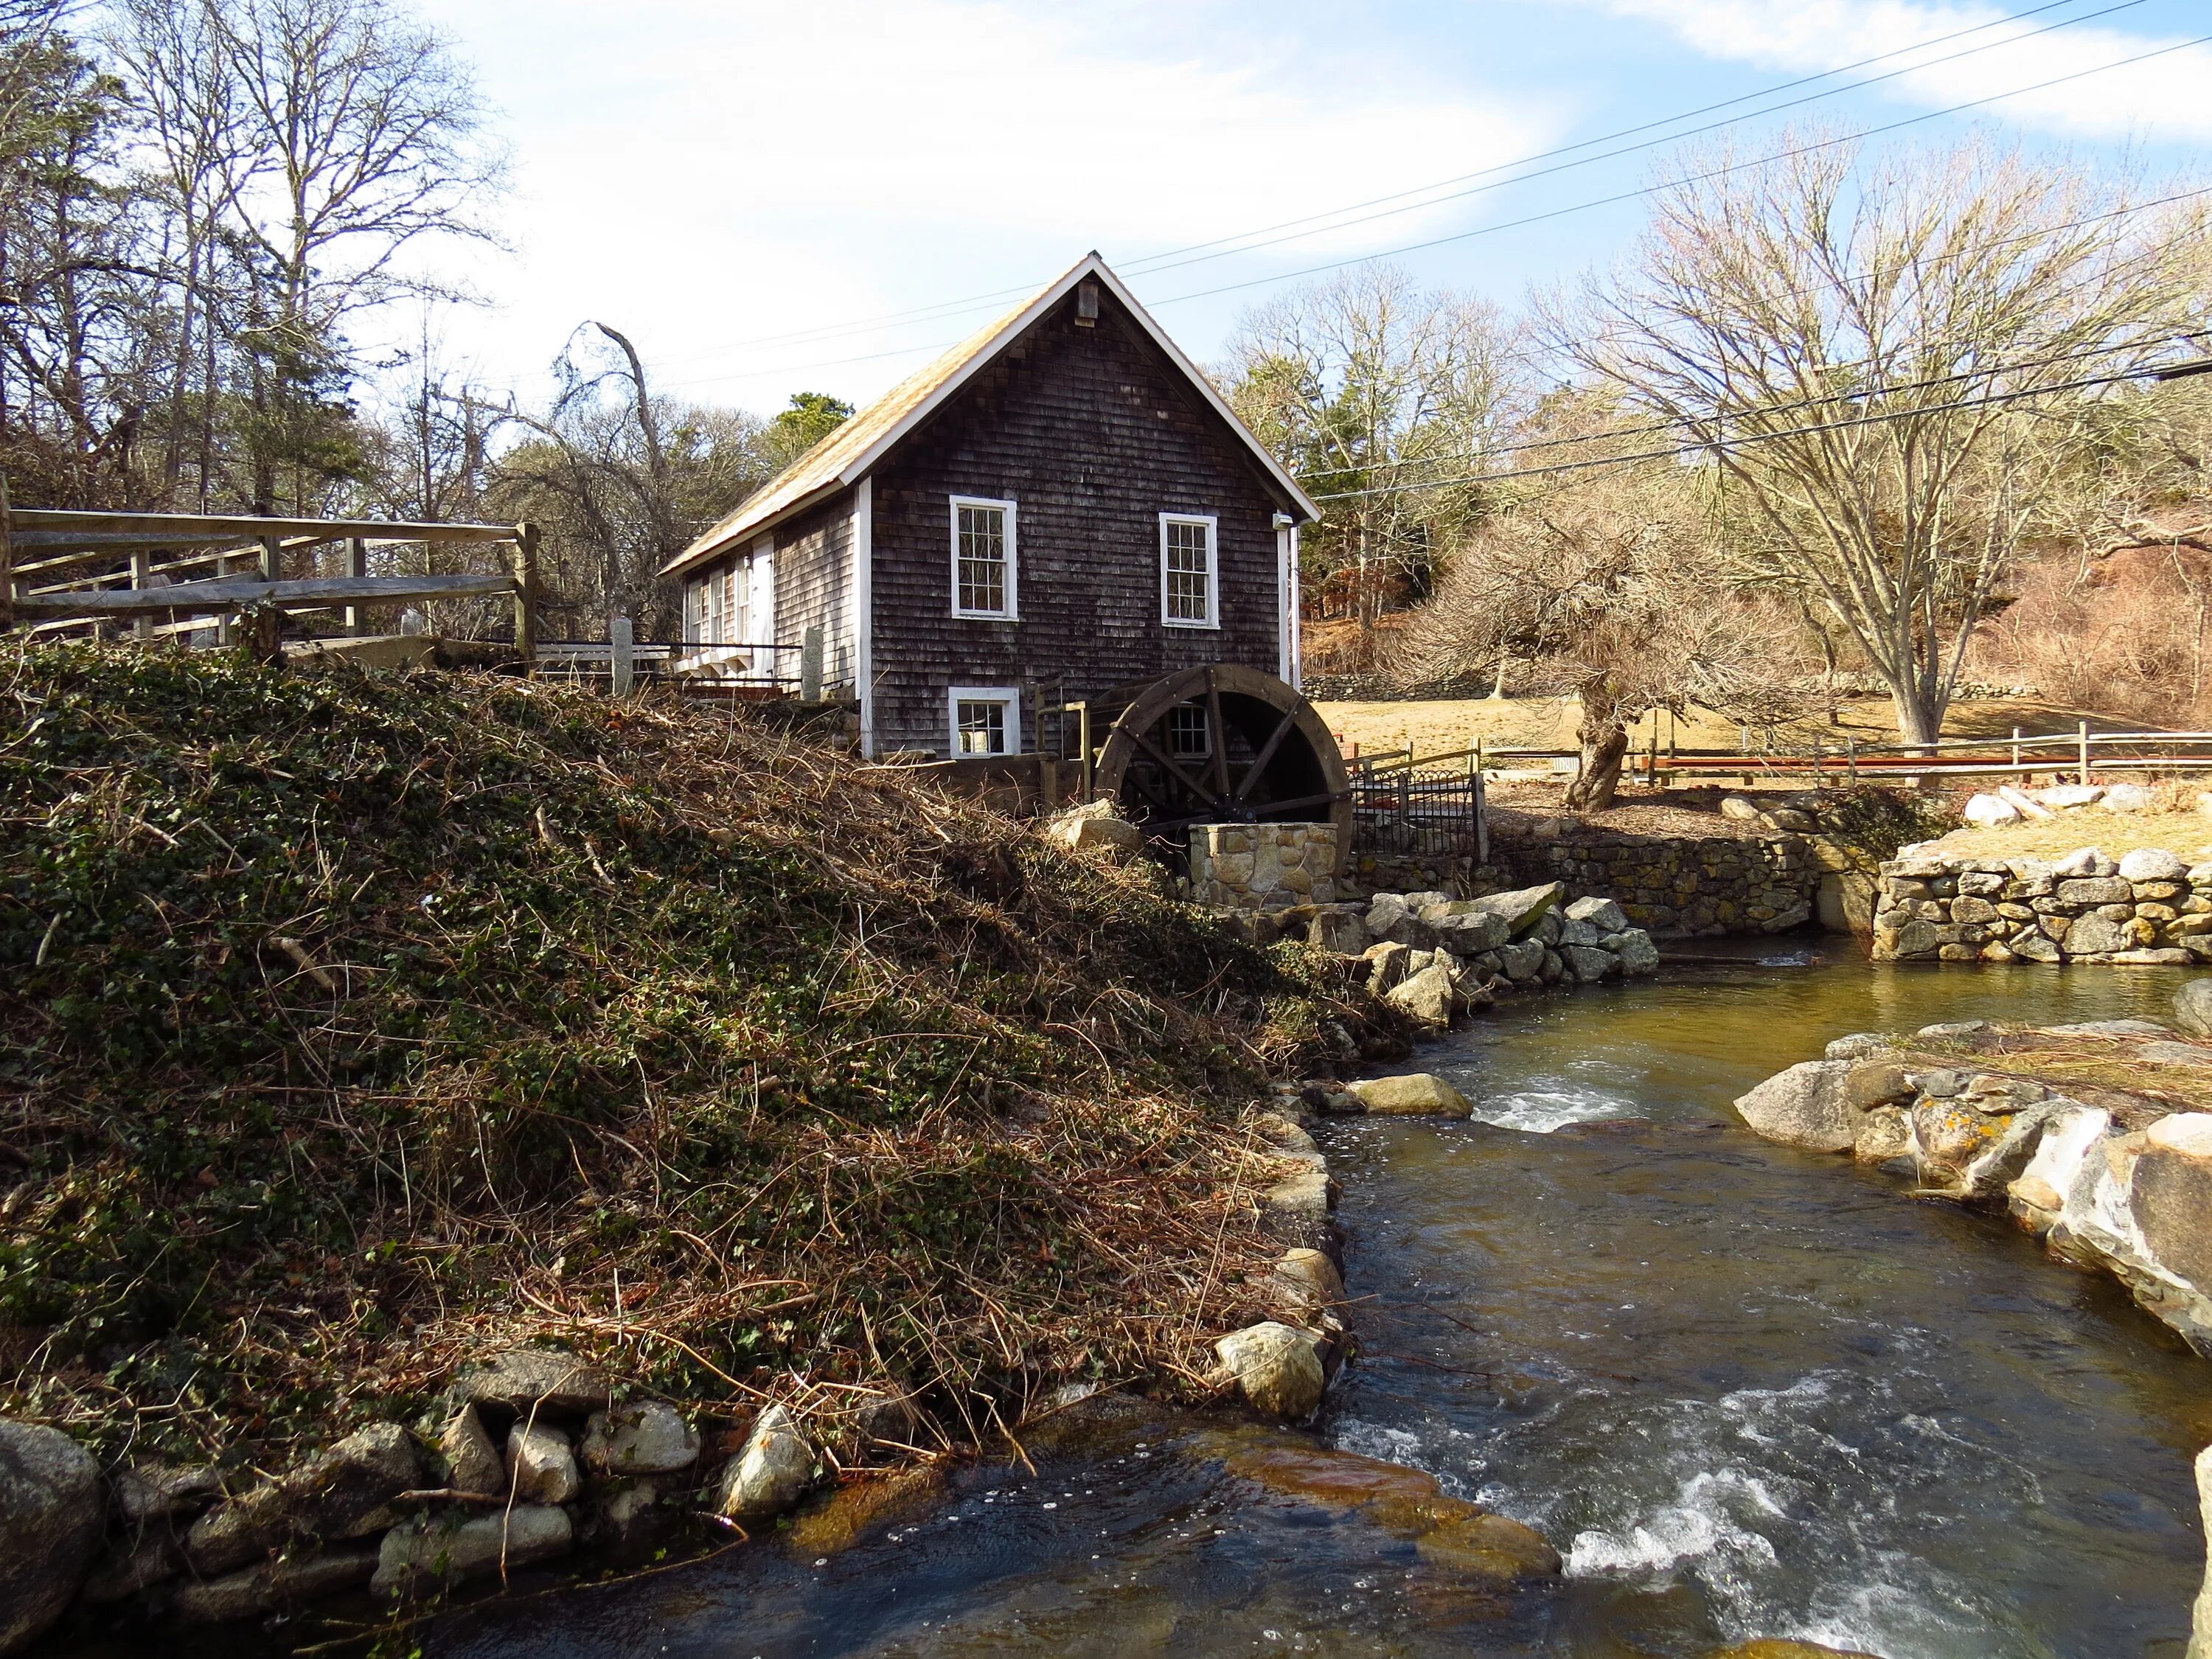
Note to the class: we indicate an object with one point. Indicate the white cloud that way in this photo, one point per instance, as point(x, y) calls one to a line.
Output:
point(2161, 99)
point(711, 173)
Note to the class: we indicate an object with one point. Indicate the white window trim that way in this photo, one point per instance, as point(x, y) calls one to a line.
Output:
point(1212, 570)
point(1008, 694)
point(1012, 612)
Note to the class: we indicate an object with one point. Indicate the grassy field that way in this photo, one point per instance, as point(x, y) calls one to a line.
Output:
point(1444, 728)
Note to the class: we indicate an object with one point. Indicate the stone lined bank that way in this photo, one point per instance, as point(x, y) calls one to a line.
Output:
point(2148, 908)
point(1993, 1117)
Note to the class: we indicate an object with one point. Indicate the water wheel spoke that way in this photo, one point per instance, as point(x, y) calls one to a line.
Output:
point(1274, 806)
point(1283, 728)
point(1198, 790)
point(1217, 729)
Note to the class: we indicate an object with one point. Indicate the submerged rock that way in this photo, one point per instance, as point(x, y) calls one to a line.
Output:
point(1494, 1547)
point(51, 1512)
point(279, 1583)
point(1277, 1368)
point(1414, 1094)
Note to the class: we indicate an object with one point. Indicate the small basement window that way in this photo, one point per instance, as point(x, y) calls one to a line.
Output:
point(983, 558)
point(1189, 572)
point(986, 719)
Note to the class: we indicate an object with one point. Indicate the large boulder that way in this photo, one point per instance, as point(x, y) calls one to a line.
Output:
point(650, 1438)
point(1430, 998)
point(1522, 960)
point(1338, 930)
point(2092, 936)
point(770, 1475)
point(2200, 1638)
point(1602, 914)
point(2153, 863)
point(2171, 1197)
point(1522, 909)
point(1472, 934)
point(1415, 1094)
point(1805, 1106)
point(1989, 812)
point(544, 1379)
point(1590, 963)
point(343, 1492)
point(2129, 797)
point(452, 1549)
point(542, 1464)
point(1094, 827)
point(2192, 1008)
point(1638, 955)
point(51, 1511)
point(472, 1461)
point(1277, 1368)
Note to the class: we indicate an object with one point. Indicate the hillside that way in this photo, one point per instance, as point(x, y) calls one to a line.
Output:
point(359, 1023)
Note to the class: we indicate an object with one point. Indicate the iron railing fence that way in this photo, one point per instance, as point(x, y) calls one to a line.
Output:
point(1431, 807)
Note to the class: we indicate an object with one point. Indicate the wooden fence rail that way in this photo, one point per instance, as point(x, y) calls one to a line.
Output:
point(65, 568)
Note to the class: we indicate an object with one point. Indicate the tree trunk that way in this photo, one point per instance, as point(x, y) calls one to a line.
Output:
point(1917, 725)
point(1603, 740)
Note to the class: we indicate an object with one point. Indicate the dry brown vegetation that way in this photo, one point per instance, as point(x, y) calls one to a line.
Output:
point(355, 1024)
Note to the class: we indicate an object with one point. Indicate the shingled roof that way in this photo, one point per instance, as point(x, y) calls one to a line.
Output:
point(847, 455)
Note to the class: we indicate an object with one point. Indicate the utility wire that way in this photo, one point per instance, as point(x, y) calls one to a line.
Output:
point(1153, 261)
point(2173, 371)
point(2176, 372)
point(1692, 179)
point(1552, 214)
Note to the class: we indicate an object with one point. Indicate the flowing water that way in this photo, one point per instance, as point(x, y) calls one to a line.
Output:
point(1746, 1391)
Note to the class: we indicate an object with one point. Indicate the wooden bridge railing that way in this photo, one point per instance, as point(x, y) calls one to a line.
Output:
point(62, 569)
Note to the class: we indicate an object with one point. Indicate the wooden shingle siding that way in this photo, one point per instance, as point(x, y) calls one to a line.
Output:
point(1094, 434)
point(814, 586)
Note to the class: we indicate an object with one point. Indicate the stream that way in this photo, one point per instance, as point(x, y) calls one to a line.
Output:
point(1746, 1391)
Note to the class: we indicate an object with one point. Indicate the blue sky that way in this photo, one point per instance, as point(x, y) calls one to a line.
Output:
point(716, 176)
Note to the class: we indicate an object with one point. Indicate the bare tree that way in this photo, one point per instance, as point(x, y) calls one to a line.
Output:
point(1364, 384)
point(1869, 345)
point(1612, 589)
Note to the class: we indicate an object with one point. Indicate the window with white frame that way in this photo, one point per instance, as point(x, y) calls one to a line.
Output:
point(1189, 574)
point(983, 558)
point(986, 719)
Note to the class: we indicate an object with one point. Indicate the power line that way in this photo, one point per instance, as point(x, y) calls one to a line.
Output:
point(1550, 214)
point(1693, 179)
point(1672, 139)
point(1714, 444)
point(1152, 261)
point(1983, 373)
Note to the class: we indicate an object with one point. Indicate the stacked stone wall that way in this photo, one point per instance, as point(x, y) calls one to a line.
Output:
point(2147, 908)
point(1262, 867)
point(1681, 888)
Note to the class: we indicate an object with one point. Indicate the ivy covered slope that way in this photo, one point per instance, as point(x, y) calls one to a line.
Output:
point(357, 1024)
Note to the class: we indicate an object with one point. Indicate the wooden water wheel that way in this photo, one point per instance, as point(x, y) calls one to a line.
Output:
point(1220, 745)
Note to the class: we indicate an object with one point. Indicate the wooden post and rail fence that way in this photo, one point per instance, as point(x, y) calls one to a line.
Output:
point(2075, 754)
point(63, 570)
